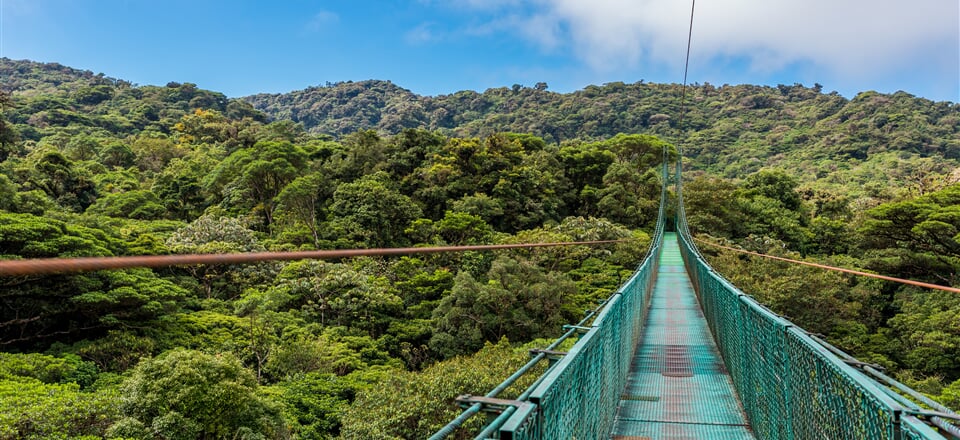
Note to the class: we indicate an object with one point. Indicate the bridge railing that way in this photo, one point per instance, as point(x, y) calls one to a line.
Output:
point(577, 396)
point(792, 386)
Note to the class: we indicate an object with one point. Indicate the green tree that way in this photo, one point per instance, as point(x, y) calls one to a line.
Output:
point(366, 152)
point(301, 201)
point(406, 405)
point(47, 369)
point(8, 194)
point(916, 238)
point(711, 207)
point(928, 332)
point(252, 178)
point(154, 153)
point(54, 174)
point(317, 401)
point(283, 131)
point(117, 155)
point(83, 147)
point(518, 301)
point(209, 234)
point(204, 126)
point(641, 150)
point(456, 228)
point(336, 294)
point(139, 204)
point(951, 395)
point(585, 165)
point(767, 206)
point(776, 185)
point(33, 410)
point(8, 134)
point(189, 394)
point(629, 197)
point(38, 311)
point(180, 185)
point(409, 149)
point(530, 192)
point(371, 212)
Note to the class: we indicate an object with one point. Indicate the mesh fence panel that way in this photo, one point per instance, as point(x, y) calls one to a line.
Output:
point(578, 397)
point(791, 387)
point(828, 401)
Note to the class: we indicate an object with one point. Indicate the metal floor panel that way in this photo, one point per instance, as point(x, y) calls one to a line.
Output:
point(678, 386)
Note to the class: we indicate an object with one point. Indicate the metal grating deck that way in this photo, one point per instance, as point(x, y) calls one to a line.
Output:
point(678, 387)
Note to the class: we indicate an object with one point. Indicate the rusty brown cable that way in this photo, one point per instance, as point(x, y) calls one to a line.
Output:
point(40, 266)
point(834, 268)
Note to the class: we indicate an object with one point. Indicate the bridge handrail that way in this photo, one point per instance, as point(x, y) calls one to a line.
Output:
point(791, 384)
point(592, 374)
point(577, 397)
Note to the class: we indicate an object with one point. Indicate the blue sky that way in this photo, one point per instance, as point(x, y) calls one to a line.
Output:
point(438, 47)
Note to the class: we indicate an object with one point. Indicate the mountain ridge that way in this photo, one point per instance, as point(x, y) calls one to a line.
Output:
point(730, 130)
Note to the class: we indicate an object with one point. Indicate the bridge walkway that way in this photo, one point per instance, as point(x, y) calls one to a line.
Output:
point(678, 387)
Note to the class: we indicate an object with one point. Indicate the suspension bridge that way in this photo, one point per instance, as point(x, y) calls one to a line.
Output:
point(678, 352)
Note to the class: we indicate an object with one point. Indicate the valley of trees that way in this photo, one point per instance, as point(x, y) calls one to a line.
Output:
point(379, 347)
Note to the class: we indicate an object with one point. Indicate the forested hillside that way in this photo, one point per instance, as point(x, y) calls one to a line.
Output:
point(379, 347)
point(732, 130)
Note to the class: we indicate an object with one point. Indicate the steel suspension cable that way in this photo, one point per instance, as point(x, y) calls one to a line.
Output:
point(41, 266)
point(683, 110)
point(686, 67)
point(833, 268)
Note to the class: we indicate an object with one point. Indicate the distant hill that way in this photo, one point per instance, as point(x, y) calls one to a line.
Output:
point(32, 78)
point(50, 95)
point(730, 130)
point(347, 107)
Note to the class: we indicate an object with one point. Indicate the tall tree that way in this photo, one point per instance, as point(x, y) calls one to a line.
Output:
point(252, 178)
point(371, 212)
point(519, 301)
point(54, 174)
point(918, 238)
point(209, 234)
point(189, 394)
point(8, 135)
point(300, 202)
point(38, 311)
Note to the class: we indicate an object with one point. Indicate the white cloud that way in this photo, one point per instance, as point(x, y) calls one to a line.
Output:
point(13, 8)
point(321, 20)
point(847, 38)
point(421, 34)
point(543, 29)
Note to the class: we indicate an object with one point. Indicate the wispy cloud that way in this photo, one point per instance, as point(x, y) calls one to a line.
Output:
point(12, 8)
point(321, 20)
point(422, 34)
point(850, 38)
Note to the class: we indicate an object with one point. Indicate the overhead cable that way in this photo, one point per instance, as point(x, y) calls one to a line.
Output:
point(834, 268)
point(39, 266)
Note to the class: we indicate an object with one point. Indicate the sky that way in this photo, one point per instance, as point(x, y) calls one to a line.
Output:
point(435, 47)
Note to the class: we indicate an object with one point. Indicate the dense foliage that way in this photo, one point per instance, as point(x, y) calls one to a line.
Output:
point(911, 331)
point(733, 130)
point(91, 165)
point(294, 346)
